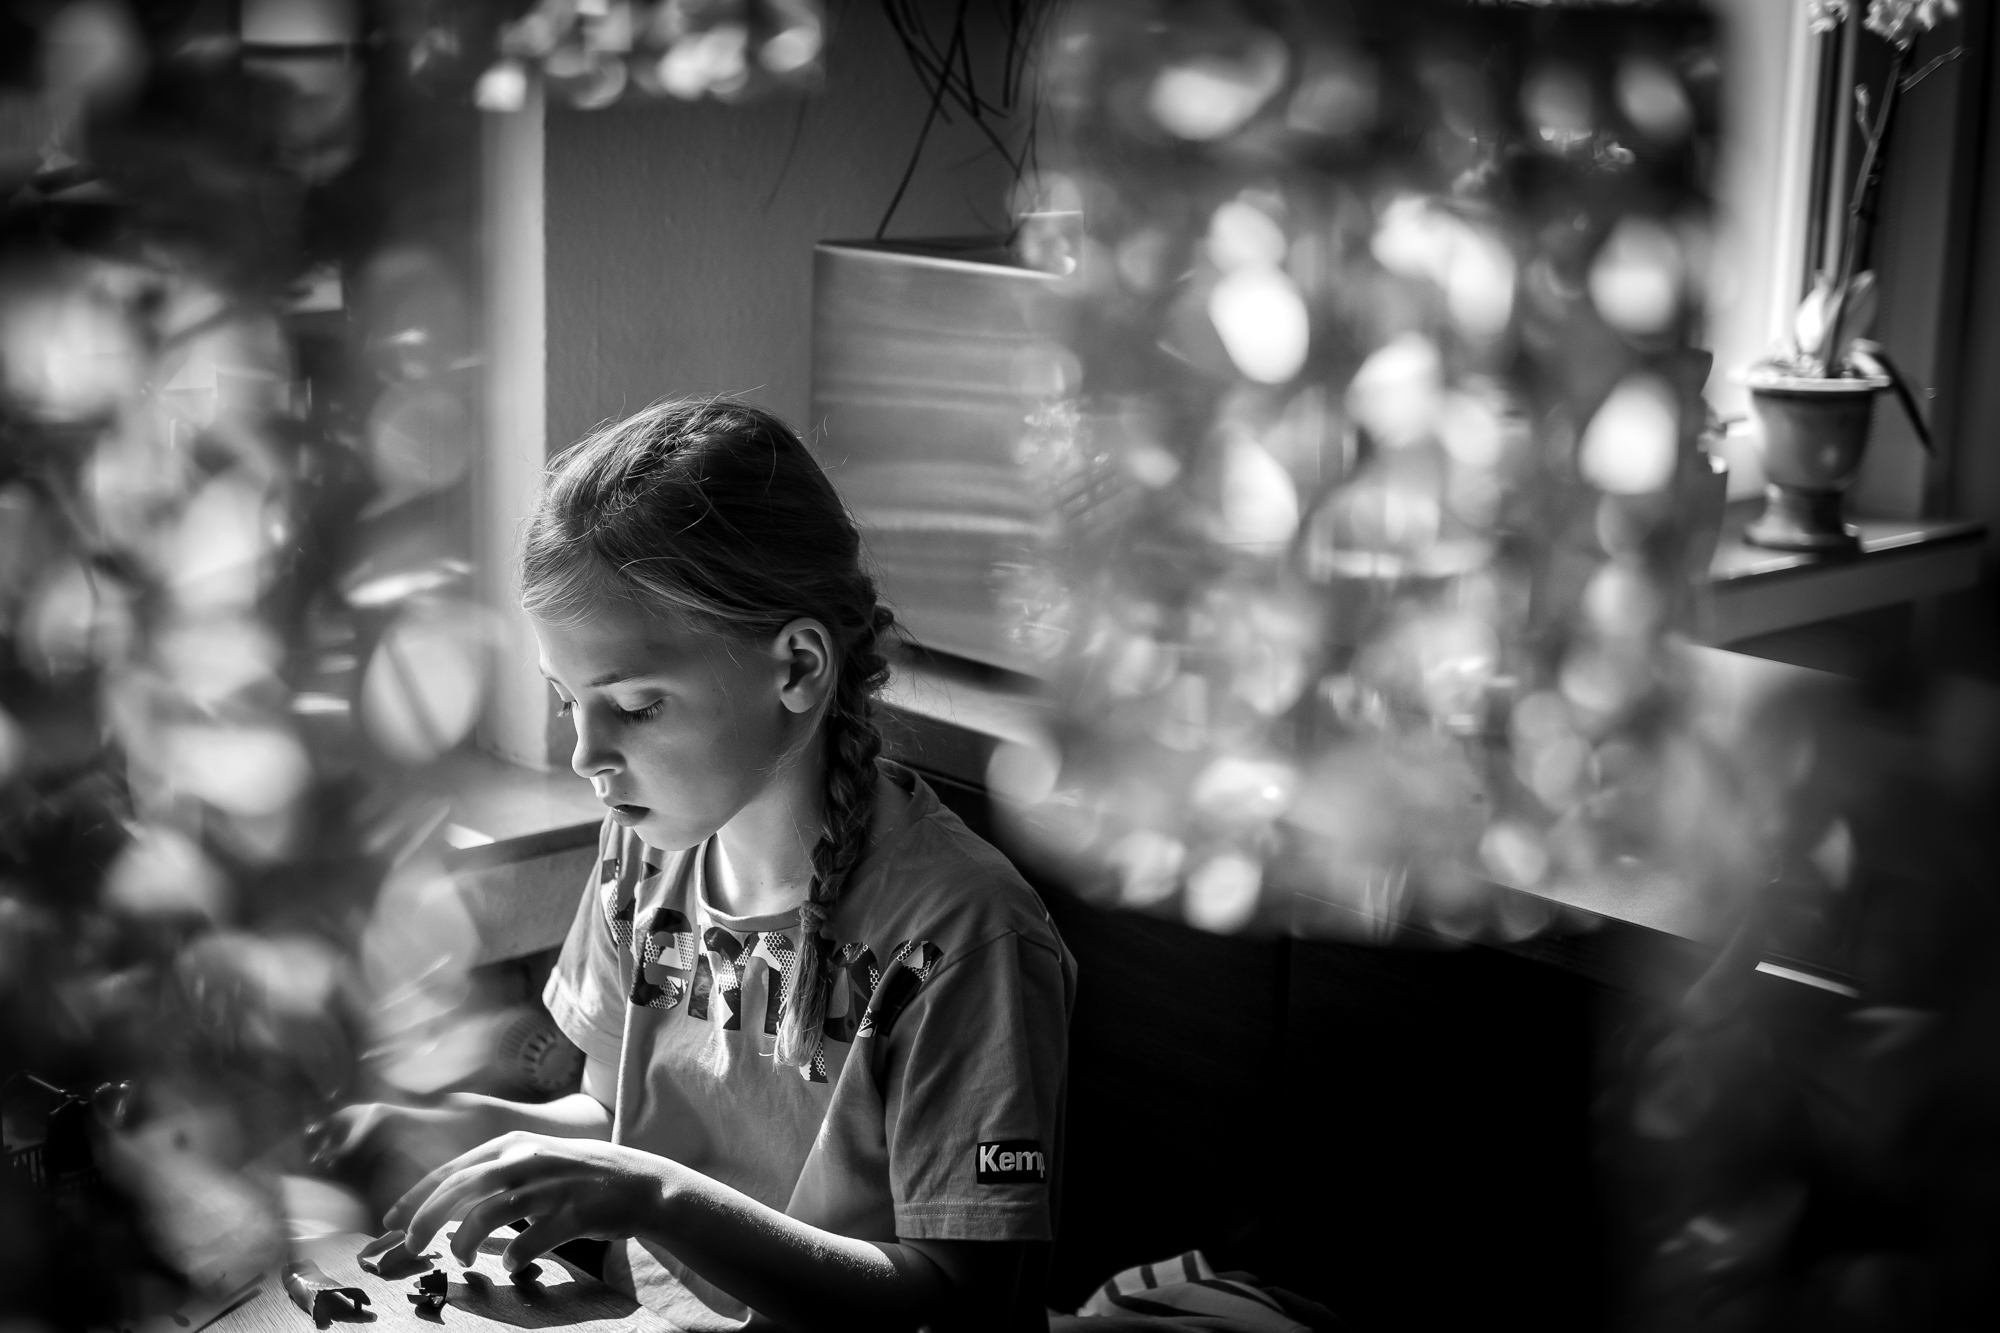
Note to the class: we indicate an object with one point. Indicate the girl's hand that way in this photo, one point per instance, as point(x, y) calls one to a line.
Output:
point(568, 1187)
point(365, 1131)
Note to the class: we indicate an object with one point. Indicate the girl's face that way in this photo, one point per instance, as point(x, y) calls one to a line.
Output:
point(678, 730)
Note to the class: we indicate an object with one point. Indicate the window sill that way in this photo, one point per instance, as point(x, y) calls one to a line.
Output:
point(1752, 591)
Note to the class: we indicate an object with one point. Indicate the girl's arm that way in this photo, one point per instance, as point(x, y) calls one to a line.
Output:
point(796, 1275)
point(463, 1120)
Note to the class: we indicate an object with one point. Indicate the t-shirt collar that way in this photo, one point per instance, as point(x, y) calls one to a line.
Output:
point(922, 803)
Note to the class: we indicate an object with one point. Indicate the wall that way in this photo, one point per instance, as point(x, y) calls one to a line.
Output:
point(679, 236)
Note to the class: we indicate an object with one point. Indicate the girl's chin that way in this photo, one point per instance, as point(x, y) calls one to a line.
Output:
point(658, 829)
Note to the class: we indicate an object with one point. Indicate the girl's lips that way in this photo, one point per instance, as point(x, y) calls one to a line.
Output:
point(629, 814)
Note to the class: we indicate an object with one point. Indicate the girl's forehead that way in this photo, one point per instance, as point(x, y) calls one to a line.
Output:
point(620, 641)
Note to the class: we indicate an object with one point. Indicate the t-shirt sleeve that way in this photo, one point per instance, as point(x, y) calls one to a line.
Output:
point(973, 1092)
point(586, 991)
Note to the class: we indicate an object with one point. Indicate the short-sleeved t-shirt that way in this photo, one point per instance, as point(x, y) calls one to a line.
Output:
point(933, 1109)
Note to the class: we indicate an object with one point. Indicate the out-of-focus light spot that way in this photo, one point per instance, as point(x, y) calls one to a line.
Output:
point(1471, 431)
point(1475, 269)
point(1833, 854)
point(1242, 234)
point(1260, 505)
point(792, 49)
point(1635, 282)
point(420, 441)
point(1479, 284)
point(1236, 790)
point(1599, 684)
point(245, 770)
point(1409, 239)
point(1553, 770)
point(607, 27)
point(1140, 664)
point(1262, 321)
point(1265, 654)
point(286, 975)
point(1148, 865)
point(76, 617)
point(367, 593)
point(1539, 718)
point(424, 684)
point(162, 873)
point(502, 89)
point(1557, 104)
point(212, 660)
point(1210, 98)
point(1396, 393)
point(1337, 98)
point(449, 1052)
point(1653, 100)
point(707, 62)
point(1630, 445)
point(1455, 656)
point(217, 552)
point(92, 50)
point(1513, 854)
point(597, 84)
point(312, 704)
point(298, 22)
point(1151, 464)
point(68, 355)
point(416, 948)
point(1045, 369)
point(1621, 601)
point(1222, 892)
point(1049, 241)
point(1023, 773)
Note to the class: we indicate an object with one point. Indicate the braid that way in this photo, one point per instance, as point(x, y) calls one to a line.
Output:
point(852, 744)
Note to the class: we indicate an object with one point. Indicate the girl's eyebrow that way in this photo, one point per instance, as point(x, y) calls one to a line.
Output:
point(599, 682)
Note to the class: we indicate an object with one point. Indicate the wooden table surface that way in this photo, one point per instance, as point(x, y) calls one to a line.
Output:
point(481, 1298)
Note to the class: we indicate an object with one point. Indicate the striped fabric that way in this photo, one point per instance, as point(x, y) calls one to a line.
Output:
point(1187, 1286)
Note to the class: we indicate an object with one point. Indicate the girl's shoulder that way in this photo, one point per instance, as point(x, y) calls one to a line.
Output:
point(932, 876)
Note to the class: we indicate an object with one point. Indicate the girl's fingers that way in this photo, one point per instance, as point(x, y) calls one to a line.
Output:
point(544, 1233)
point(403, 1212)
point(495, 1211)
point(459, 1193)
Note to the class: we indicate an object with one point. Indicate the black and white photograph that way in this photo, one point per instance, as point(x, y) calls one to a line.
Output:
point(999, 666)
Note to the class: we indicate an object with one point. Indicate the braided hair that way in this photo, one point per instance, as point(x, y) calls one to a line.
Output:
point(716, 512)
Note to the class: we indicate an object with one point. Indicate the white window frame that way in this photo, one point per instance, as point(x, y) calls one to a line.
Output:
point(1771, 77)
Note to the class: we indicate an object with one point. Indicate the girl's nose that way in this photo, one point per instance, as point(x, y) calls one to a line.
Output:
point(592, 757)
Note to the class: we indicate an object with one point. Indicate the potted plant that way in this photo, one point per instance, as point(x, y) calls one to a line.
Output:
point(1816, 398)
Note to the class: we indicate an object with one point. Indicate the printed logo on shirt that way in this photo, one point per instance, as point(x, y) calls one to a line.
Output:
point(1012, 1162)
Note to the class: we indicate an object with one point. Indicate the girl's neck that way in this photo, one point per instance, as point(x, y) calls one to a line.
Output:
point(761, 861)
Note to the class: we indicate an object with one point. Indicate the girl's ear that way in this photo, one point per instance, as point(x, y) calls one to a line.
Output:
point(804, 652)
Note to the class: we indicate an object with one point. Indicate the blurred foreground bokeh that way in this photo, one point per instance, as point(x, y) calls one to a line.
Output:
point(1372, 441)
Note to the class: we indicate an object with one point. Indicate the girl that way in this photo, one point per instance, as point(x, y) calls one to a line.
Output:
point(824, 1024)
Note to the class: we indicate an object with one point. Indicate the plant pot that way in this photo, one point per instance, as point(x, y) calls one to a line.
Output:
point(1814, 433)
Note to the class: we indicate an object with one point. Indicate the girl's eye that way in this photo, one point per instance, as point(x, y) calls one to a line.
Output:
point(564, 707)
point(646, 714)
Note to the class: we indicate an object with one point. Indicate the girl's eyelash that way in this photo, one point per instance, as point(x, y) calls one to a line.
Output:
point(646, 714)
